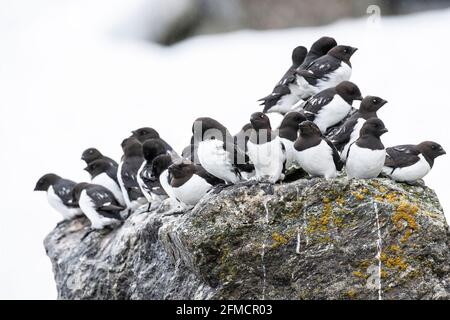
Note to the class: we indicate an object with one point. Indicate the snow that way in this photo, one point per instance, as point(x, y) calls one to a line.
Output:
point(73, 74)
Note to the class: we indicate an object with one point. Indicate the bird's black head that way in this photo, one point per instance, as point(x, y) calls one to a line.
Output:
point(308, 129)
point(260, 121)
point(292, 120)
point(181, 169)
point(132, 147)
point(153, 147)
point(298, 55)
point(348, 91)
point(343, 53)
point(374, 127)
point(145, 133)
point(431, 149)
point(76, 192)
point(323, 45)
point(206, 128)
point(90, 155)
point(98, 166)
point(159, 164)
point(46, 181)
point(371, 104)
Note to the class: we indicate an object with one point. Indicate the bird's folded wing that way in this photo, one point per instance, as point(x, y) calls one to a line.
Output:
point(401, 156)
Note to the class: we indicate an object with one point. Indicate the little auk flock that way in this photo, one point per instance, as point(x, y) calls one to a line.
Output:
point(321, 134)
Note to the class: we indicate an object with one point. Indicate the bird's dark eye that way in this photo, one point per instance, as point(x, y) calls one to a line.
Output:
point(91, 151)
point(433, 147)
point(261, 116)
point(375, 100)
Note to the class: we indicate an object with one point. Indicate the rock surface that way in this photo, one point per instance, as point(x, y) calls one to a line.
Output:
point(310, 239)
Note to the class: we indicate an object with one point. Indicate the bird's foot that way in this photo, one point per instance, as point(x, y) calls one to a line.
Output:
point(88, 232)
point(219, 187)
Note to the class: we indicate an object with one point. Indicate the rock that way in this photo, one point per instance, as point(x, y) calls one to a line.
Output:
point(309, 239)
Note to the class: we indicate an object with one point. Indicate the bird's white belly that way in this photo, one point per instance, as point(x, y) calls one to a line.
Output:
point(104, 180)
point(192, 190)
point(216, 161)
point(290, 153)
point(343, 73)
point(58, 205)
point(141, 183)
point(332, 113)
point(318, 160)
point(304, 89)
point(87, 206)
point(411, 173)
point(267, 158)
point(285, 104)
point(353, 137)
point(364, 163)
point(164, 181)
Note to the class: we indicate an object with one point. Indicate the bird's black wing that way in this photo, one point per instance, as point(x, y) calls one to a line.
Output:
point(63, 189)
point(240, 160)
point(314, 104)
point(273, 98)
point(319, 68)
point(129, 171)
point(288, 77)
point(342, 136)
point(401, 156)
point(212, 180)
point(112, 162)
point(104, 202)
point(336, 157)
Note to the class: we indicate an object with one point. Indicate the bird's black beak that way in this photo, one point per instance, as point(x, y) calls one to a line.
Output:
point(354, 50)
point(384, 130)
point(442, 152)
point(36, 188)
point(384, 102)
point(359, 98)
point(86, 169)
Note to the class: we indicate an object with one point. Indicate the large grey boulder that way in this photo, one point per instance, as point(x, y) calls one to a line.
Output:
point(310, 239)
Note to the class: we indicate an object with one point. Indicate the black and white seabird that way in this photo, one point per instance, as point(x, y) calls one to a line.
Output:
point(408, 163)
point(146, 133)
point(104, 173)
point(190, 182)
point(325, 72)
point(316, 154)
point(298, 56)
point(93, 154)
point(365, 157)
point(127, 173)
point(98, 204)
point(217, 152)
point(330, 106)
point(349, 131)
point(160, 172)
point(288, 133)
point(318, 49)
point(241, 138)
point(59, 194)
point(265, 150)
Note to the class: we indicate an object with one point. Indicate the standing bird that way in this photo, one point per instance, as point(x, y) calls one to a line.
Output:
point(349, 131)
point(315, 154)
point(318, 49)
point(127, 173)
point(217, 152)
point(160, 172)
point(408, 163)
point(191, 182)
point(265, 150)
point(331, 105)
point(103, 173)
point(93, 154)
point(147, 133)
point(59, 194)
point(241, 138)
point(288, 133)
point(283, 97)
point(98, 204)
point(325, 72)
point(365, 157)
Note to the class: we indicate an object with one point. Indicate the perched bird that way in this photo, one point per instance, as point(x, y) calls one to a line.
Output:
point(241, 138)
point(283, 96)
point(265, 150)
point(104, 173)
point(160, 172)
point(365, 157)
point(59, 194)
point(191, 182)
point(217, 152)
point(150, 187)
point(325, 72)
point(316, 154)
point(93, 154)
point(127, 173)
point(318, 49)
point(408, 163)
point(331, 105)
point(98, 204)
point(146, 133)
point(288, 133)
point(349, 131)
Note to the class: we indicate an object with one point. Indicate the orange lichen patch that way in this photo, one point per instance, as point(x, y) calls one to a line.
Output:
point(358, 195)
point(394, 248)
point(350, 294)
point(339, 201)
point(278, 240)
point(359, 274)
point(404, 213)
point(396, 263)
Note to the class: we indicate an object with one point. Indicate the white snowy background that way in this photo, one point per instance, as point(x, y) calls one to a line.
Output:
point(74, 74)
